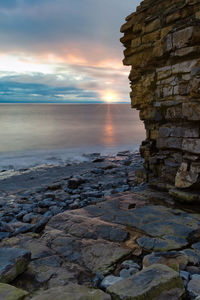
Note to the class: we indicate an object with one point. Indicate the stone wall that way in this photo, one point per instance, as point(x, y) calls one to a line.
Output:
point(162, 41)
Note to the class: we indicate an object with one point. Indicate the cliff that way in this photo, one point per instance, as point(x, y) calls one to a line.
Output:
point(162, 41)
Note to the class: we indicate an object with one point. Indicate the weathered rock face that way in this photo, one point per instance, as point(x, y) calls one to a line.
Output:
point(162, 41)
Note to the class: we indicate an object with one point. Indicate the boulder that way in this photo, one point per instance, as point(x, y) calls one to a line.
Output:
point(13, 262)
point(110, 280)
point(173, 259)
point(155, 282)
point(74, 182)
point(72, 292)
point(102, 257)
point(9, 292)
point(183, 196)
point(194, 286)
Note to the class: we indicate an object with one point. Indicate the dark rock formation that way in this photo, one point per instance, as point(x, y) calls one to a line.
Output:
point(162, 41)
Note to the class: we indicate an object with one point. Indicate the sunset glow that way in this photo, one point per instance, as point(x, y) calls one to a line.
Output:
point(110, 97)
point(58, 53)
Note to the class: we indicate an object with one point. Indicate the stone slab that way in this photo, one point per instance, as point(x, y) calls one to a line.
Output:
point(151, 283)
point(9, 292)
point(13, 262)
point(72, 292)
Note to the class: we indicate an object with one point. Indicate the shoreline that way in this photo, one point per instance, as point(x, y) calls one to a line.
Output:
point(52, 184)
point(89, 228)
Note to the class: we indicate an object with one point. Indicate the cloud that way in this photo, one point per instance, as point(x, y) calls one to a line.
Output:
point(38, 25)
point(63, 44)
point(11, 91)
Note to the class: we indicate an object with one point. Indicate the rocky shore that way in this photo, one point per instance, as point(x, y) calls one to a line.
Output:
point(162, 42)
point(91, 231)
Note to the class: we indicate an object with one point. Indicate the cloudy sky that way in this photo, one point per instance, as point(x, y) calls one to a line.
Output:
point(63, 50)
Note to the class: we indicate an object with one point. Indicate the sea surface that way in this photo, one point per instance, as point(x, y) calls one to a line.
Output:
point(53, 134)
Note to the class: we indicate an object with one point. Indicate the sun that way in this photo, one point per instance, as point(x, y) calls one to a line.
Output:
point(110, 96)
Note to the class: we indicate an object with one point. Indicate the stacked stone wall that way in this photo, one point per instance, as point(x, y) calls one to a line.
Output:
point(162, 46)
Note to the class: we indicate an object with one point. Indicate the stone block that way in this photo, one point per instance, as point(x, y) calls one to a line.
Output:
point(136, 42)
point(185, 177)
point(183, 67)
point(164, 72)
point(9, 292)
point(170, 142)
point(183, 38)
point(152, 26)
point(167, 43)
point(151, 37)
point(154, 282)
point(183, 196)
point(13, 262)
point(72, 292)
point(174, 113)
point(167, 91)
point(191, 111)
point(173, 17)
point(191, 145)
point(186, 51)
point(194, 286)
point(173, 259)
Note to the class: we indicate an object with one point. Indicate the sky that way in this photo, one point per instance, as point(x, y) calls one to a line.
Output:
point(63, 51)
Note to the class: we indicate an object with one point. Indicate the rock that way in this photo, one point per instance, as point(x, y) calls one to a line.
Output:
point(193, 270)
point(161, 244)
point(154, 282)
point(164, 79)
point(55, 186)
point(185, 275)
point(37, 248)
point(39, 226)
point(125, 273)
point(75, 182)
point(97, 160)
point(102, 257)
point(42, 270)
point(46, 203)
point(123, 153)
point(193, 256)
point(130, 264)
point(196, 246)
point(48, 196)
point(193, 287)
point(184, 196)
point(97, 171)
point(191, 145)
point(24, 229)
point(72, 292)
point(110, 280)
point(13, 262)
point(28, 218)
point(185, 178)
point(9, 292)
point(4, 235)
point(173, 259)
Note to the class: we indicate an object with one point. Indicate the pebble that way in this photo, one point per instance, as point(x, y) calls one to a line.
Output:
point(130, 264)
point(40, 204)
point(110, 280)
point(124, 273)
point(193, 287)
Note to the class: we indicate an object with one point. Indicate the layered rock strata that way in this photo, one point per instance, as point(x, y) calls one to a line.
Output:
point(162, 41)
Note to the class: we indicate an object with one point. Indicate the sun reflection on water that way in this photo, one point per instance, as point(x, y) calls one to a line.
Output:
point(109, 132)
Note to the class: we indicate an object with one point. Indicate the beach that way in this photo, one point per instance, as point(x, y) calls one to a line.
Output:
point(88, 228)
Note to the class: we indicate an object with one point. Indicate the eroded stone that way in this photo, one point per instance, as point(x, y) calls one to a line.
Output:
point(154, 282)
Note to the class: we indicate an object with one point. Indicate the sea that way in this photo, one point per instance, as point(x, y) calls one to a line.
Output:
point(32, 135)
